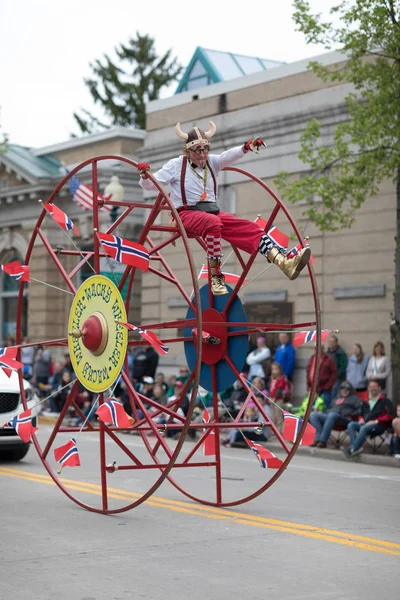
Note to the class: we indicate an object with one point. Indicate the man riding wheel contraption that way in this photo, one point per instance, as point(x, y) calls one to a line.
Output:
point(193, 180)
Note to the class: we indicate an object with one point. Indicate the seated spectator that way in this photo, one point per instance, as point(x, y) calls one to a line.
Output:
point(259, 360)
point(394, 448)
point(160, 380)
point(356, 372)
point(340, 357)
point(379, 365)
point(278, 393)
point(285, 355)
point(375, 418)
point(317, 406)
point(327, 375)
point(183, 377)
point(235, 401)
point(342, 411)
point(250, 415)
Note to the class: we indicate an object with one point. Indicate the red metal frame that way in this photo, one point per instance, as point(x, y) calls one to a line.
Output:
point(164, 464)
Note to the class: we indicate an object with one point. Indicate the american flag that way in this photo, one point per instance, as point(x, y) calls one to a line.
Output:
point(209, 442)
point(113, 412)
point(17, 271)
point(266, 458)
point(291, 428)
point(149, 336)
point(125, 251)
point(303, 337)
point(60, 217)
point(22, 424)
point(67, 455)
point(82, 194)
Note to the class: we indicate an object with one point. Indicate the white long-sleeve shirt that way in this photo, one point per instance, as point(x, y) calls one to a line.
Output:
point(170, 173)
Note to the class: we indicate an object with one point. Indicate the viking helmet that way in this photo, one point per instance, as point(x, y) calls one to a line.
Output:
point(195, 135)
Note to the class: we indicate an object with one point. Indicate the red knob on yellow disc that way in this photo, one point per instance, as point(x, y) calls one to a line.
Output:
point(95, 333)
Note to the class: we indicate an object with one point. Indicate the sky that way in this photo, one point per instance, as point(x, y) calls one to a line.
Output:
point(46, 47)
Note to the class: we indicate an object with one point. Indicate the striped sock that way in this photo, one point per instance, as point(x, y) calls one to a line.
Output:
point(213, 244)
point(265, 245)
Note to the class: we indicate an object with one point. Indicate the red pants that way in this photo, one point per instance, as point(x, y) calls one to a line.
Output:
point(241, 233)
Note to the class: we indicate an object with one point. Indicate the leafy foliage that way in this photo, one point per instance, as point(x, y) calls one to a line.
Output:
point(122, 90)
point(366, 147)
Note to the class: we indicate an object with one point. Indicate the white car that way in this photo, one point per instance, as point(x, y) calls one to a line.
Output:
point(11, 445)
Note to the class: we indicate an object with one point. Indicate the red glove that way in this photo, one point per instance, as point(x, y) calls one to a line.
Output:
point(142, 168)
point(254, 145)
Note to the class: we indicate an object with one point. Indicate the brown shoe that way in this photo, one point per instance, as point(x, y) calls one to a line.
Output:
point(291, 267)
point(218, 287)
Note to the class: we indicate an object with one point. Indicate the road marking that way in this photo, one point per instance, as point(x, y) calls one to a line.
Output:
point(329, 535)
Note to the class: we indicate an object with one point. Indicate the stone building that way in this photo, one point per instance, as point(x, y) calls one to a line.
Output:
point(354, 267)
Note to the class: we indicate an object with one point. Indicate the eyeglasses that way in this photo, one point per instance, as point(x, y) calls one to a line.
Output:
point(199, 151)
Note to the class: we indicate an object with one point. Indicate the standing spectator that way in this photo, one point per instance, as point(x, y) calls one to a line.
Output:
point(285, 355)
point(27, 355)
point(342, 411)
point(145, 363)
point(379, 366)
point(377, 415)
point(327, 376)
point(356, 372)
point(340, 357)
point(67, 366)
point(259, 360)
point(41, 366)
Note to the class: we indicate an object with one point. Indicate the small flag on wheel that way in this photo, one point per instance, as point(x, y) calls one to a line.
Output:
point(67, 455)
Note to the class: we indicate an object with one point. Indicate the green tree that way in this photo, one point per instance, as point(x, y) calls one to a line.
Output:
point(366, 148)
point(123, 89)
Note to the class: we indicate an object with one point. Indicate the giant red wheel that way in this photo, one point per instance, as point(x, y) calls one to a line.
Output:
point(96, 306)
point(224, 318)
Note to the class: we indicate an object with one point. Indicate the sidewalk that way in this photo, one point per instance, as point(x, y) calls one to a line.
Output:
point(366, 457)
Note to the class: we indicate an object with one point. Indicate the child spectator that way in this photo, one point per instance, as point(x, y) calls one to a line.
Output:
point(278, 393)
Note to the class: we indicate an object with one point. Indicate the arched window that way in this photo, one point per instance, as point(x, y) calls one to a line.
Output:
point(9, 290)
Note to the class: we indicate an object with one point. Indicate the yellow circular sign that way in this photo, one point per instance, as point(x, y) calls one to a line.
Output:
point(97, 344)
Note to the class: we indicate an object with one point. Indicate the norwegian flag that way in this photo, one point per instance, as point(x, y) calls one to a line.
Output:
point(60, 217)
point(17, 271)
point(209, 442)
point(294, 251)
point(149, 336)
point(303, 337)
point(124, 251)
point(22, 424)
point(67, 455)
point(82, 194)
point(8, 360)
point(113, 412)
point(229, 277)
point(291, 428)
point(279, 238)
point(266, 458)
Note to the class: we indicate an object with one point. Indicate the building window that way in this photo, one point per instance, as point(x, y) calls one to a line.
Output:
point(9, 291)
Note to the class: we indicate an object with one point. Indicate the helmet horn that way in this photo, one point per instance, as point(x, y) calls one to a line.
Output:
point(180, 133)
point(211, 131)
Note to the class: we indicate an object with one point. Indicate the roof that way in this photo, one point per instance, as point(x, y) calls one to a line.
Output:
point(39, 167)
point(91, 138)
point(213, 66)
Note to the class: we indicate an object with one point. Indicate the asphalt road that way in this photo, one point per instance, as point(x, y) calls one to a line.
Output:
point(325, 530)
